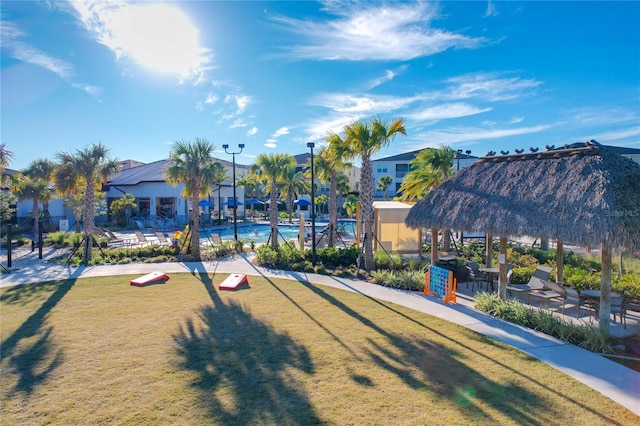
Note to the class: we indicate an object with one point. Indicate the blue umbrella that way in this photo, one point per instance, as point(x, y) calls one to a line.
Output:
point(253, 201)
point(302, 202)
point(232, 203)
point(205, 203)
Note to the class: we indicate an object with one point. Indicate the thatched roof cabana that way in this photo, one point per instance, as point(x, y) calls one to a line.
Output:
point(584, 194)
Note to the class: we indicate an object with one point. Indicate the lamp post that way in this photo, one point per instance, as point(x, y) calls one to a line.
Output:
point(313, 210)
point(235, 202)
point(458, 157)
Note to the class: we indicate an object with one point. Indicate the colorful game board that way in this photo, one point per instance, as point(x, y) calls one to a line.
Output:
point(440, 282)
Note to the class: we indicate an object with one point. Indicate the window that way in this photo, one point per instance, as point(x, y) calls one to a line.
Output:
point(401, 170)
point(381, 168)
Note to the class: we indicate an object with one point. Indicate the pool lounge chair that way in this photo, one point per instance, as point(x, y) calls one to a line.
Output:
point(142, 239)
point(162, 239)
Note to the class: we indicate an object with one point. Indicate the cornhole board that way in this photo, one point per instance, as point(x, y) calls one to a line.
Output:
point(151, 278)
point(233, 282)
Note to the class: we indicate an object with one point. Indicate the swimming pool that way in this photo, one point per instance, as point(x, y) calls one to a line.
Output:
point(259, 232)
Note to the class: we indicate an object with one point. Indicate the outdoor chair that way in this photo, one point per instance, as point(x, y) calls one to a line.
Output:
point(114, 240)
point(560, 292)
point(475, 276)
point(536, 283)
point(142, 239)
point(162, 239)
point(618, 307)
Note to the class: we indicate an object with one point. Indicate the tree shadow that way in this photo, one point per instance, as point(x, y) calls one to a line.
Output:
point(31, 361)
point(246, 370)
point(445, 372)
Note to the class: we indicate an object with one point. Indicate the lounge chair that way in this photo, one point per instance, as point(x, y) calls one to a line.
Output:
point(142, 239)
point(536, 283)
point(114, 240)
point(162, 239)
point(555, 291)
point(215, 238)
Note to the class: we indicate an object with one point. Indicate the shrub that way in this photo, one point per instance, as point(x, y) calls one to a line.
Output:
point(587, 336)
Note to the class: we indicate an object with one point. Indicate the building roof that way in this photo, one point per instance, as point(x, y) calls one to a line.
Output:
point(152, 172)
point(585, 195)
point(408, 156)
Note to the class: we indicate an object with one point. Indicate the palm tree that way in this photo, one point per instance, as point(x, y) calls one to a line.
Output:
point(351, 204)
point(252, 188)
point(270, 170)
point(383, 185)
point(192, 165)
point(293, 184)
point(331, 162)
point(42, 169)
point(35, 190)
point(219, 176)
point(90, 167)
point(428, 169)
point(364, 140)
point(6, 157)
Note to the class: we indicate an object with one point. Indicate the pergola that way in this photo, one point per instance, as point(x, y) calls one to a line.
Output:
point(583, 194)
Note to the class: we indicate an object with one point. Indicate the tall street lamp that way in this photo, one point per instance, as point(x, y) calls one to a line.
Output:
point(235, 202)
point(313, 209)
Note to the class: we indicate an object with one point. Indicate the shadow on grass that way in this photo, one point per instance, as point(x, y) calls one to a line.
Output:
point(33, 361)
point(244, 367)
point(445, 373)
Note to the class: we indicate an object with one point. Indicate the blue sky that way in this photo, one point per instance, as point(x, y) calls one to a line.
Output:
point(476, 76)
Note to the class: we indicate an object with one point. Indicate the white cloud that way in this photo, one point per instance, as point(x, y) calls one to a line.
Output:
point(373, 31)
point(361, 104)
point(490, 86)
point(252, 131)
point(157, 36)
point(491, 10)
point(465, 134)
point(280, 132)
point(240, 102)
point(10, 35)
point(620, 134)
point(238, 122)
point(25, 52)
point(270, 145)
point(516, 120)
point(388, 76)
point(211, 99)
point(444, 111)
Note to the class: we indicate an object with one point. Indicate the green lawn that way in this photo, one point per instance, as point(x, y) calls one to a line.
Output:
point(98, 351)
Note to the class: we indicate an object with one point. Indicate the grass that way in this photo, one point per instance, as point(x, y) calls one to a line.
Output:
point(99, 351)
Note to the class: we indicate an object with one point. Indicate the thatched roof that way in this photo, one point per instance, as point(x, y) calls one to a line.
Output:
point(584, 194)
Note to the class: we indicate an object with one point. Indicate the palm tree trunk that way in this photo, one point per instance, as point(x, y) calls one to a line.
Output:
point(366, 200)
point(195, 226)
point(273, 215)
point(333, 209)
point(36, 225)
point(89, 218)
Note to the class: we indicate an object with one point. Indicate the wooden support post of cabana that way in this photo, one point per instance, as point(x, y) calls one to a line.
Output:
point(488, 250)
point(434, 246)
point(605, 289)
point(559, 261)
point(502, 266)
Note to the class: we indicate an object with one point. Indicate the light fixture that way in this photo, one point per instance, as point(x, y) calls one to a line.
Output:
point(235, 200)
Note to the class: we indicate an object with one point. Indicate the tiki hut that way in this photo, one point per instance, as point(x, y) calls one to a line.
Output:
point(584, 194)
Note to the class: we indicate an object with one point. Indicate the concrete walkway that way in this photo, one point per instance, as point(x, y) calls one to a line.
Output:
point(613, 380)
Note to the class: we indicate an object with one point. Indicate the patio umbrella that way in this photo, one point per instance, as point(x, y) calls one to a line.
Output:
point(206, 203)
point(302, 202)
point(232, 203)
point(253, 202)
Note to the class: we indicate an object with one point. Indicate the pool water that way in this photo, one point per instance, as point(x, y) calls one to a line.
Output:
point(260, 232)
